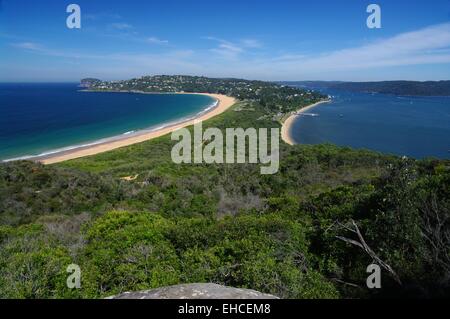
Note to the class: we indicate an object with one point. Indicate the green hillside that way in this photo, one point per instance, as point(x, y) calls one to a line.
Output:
point(286, 234)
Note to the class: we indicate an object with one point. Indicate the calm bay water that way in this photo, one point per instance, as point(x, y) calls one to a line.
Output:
point(39, 118)
point(413, 126)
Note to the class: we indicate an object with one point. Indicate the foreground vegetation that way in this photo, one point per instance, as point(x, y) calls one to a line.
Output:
point(288, 234)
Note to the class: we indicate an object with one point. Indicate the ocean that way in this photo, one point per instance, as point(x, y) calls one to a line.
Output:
point(416, 127)
point(37, 119)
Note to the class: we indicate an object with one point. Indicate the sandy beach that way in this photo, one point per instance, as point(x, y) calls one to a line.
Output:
point(224, 102)
point(286, 127)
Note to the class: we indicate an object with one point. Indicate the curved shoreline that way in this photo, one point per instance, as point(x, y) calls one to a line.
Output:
point(287, 124)
point(223, 103)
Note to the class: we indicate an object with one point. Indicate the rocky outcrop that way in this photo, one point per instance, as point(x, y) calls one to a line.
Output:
point(195, 291)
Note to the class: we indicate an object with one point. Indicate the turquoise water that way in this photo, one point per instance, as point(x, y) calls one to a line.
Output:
point(38, 119)
point(417, 127)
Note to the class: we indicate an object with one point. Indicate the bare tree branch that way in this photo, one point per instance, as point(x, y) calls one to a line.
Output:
point(364, 246)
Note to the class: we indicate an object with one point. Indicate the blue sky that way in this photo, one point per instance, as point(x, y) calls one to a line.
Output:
point(268, 40)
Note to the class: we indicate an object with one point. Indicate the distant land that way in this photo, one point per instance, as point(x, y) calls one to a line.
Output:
point(88, 82)
point(190, 84)
point(412, 88)
point(279, 99)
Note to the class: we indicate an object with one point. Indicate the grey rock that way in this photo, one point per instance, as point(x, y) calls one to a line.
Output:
point(195, 291)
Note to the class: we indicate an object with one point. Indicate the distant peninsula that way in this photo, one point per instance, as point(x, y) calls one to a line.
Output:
point(89, 82)
point(407, 88)
point(278, 99)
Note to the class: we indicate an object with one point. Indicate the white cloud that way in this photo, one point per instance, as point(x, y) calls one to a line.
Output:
point(251, 43)
point(121, 26)
point(429, 45)
point(225, 49)
point(155, 40)
point(426, 46)
point(27, 46)
point(232, 50)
